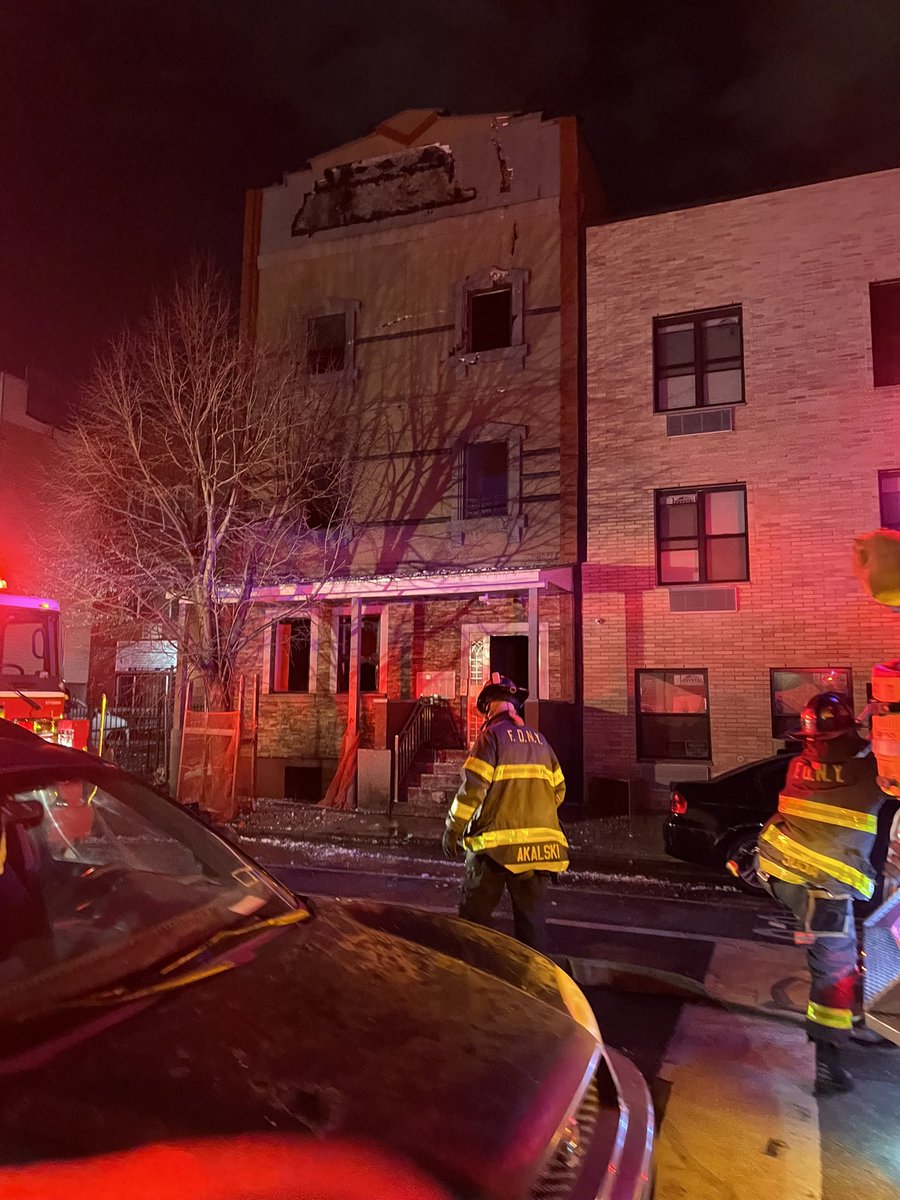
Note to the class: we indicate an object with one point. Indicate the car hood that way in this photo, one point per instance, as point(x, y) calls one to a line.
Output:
point(440, 1041)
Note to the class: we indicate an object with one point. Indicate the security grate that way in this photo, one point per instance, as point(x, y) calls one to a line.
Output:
point(699, 420)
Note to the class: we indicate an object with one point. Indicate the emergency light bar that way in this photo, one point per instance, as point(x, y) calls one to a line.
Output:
point(8, 601)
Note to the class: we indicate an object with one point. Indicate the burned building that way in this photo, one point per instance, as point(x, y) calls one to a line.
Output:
point(433, 270)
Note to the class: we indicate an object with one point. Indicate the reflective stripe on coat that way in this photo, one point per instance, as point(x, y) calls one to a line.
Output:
point(512, 785)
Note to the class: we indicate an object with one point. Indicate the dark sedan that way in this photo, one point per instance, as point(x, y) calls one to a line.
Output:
point(716, 821)
point(158, 988)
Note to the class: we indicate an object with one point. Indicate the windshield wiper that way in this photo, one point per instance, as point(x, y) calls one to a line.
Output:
point(169, 981)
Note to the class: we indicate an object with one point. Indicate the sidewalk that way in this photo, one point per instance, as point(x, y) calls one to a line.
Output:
point(284, 831)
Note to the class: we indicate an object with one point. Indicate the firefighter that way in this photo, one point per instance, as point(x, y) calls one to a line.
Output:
point(505, 816)
point(814, 857)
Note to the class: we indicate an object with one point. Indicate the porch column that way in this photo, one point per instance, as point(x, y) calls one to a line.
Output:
point(353, 684)
point(534, 634)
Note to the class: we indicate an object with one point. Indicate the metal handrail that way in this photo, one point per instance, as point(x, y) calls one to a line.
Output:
point(409, 741)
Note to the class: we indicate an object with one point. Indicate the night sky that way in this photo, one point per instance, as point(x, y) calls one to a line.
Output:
point(129, 129)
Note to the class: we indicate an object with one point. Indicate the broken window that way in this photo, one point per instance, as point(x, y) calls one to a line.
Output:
point(490, 319)
point(290, 655)
point(486, 480)
point(369, 653)
point(326, 343)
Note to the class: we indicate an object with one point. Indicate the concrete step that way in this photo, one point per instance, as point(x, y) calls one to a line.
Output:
point(422, 808)
point(430, 797)
point(439, 783)
point(451, 756)
point(446, 770)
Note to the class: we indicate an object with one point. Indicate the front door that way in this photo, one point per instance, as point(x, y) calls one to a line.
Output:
point(509, 657)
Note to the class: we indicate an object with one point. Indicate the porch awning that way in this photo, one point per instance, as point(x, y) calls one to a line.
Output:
point(407, 587)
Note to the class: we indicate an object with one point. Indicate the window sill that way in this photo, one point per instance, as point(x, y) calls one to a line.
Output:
point(514, 355)
point(667, 412)
point(291, 695)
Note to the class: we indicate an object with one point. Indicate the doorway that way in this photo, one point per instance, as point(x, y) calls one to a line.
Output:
point(509, 657)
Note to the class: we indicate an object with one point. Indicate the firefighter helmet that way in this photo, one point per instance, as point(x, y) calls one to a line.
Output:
point(500, 688)
point(826, 715)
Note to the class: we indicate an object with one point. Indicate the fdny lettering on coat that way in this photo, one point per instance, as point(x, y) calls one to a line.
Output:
point(535, 854)
point(524, 735)
point(820, 772)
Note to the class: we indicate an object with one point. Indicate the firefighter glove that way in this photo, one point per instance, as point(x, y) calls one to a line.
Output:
point(450, 843)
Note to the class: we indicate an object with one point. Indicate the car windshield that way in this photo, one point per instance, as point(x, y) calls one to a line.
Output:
point(101, 879)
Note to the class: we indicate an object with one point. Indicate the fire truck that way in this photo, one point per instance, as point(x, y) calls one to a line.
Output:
point(31, 688)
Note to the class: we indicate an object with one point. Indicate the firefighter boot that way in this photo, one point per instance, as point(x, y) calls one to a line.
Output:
point(831, 1075)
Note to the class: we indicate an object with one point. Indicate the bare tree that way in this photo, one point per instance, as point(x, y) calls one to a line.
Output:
point(201, 469)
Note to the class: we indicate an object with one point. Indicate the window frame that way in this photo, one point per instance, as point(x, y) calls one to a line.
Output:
point(465, 513)
point(516, 279)
point(702, 536)
point(380, 666)
point(877, 380)
point(273, 657)
point(696, 318)
point(641, 754)
point(331, 306)
point(795, 719)
point(886, 473)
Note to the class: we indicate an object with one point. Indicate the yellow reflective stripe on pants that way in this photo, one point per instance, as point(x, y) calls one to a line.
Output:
point(479, 767)
point(523, 771)
point(828, 814)
point(767, 867)
point(803, 857)
point(513, 837)
point(460, 811)
point(834, 1018)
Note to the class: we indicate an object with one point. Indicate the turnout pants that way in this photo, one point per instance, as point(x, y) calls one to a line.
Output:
point(832, 957)
point(483, 889)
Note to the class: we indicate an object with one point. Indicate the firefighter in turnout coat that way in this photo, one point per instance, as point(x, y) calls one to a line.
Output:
point(505, 816)
point(814, 857)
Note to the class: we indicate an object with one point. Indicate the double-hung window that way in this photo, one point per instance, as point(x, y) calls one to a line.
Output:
point(673, 715)
point(701, 535)
point(369, 653)
point(290, 655)
point(698, 360)
point(485, 490)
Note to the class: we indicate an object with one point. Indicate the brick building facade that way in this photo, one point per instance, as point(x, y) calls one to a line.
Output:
point(433, 268)
point(743, 428)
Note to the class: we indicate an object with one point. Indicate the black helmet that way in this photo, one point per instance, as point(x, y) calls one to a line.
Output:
point(500, 688)
point(827, 715)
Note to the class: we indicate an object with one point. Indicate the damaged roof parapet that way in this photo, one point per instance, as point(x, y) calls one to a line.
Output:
point(389, 186)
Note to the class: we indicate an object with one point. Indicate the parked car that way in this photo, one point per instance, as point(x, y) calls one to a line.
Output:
point(714, 821)
point(159, 986)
